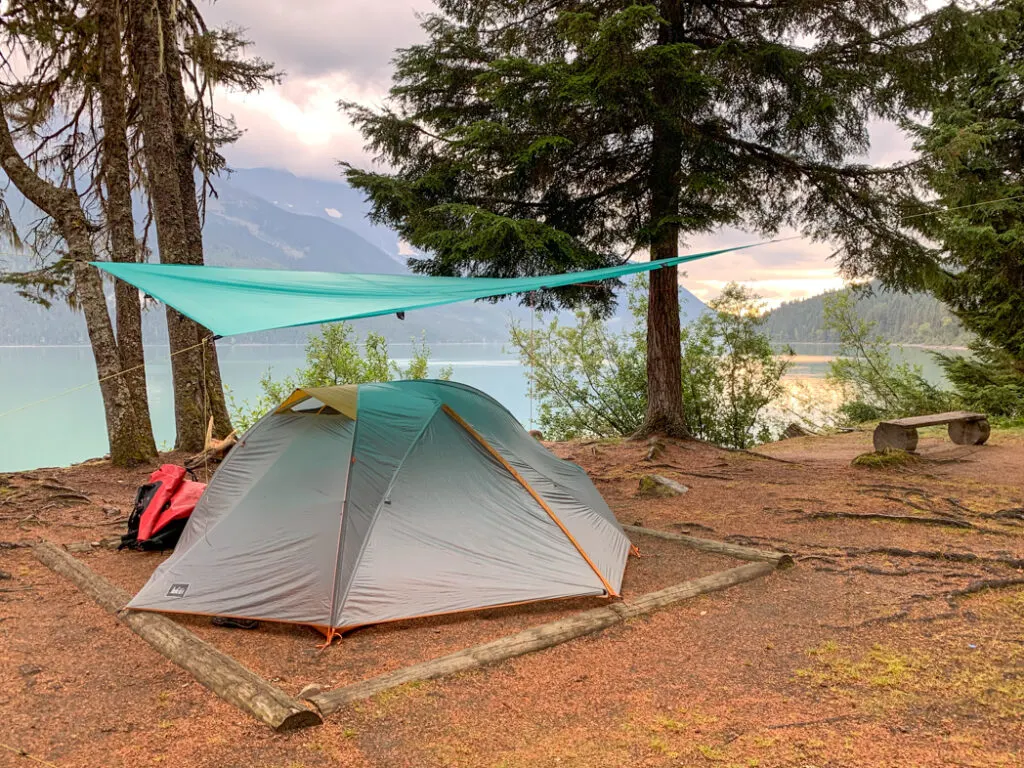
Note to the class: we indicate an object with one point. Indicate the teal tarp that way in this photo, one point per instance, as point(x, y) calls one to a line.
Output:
point(230, 301)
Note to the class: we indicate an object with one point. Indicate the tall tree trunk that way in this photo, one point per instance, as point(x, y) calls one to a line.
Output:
point(64, 207)
point(665, 414)
point(120, 222)
point(165, 196)
point(185, 146)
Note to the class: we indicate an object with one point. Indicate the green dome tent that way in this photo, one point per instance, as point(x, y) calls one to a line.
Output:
point(355, 505)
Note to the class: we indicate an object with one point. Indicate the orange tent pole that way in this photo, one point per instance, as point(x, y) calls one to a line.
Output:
point(522, 481)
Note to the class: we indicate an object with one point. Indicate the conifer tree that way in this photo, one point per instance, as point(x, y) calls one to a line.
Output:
point(972, 150)
point(539, 136)
point(78, 114)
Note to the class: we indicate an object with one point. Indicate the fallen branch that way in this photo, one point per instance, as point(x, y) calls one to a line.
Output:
point(538, 638)
point(217, 671)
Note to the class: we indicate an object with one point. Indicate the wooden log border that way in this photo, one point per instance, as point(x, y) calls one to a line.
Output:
point(238, 685)
point(781, 559)
point(219, 672)
point(562, 630)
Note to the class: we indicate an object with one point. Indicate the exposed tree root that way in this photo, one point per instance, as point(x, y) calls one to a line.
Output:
point(891, 572)
point(805, 723)
point(705, 475)
point(55, 486)
point(902, 615)
point(890, 487)
point(909, 503)
point(956, 557)
point(681, 471)
point(1017, 513)
point(940, 521)
point(829, 551)
point(983, 585)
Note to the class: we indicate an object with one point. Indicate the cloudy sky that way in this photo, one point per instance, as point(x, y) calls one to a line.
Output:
point(331, 50)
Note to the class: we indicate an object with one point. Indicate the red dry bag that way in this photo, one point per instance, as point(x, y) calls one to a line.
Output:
point(162, 507)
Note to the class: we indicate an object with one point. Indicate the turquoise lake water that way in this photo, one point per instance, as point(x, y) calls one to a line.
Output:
point(70, 428)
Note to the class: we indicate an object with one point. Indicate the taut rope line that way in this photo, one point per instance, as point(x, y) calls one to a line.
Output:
point(34, 403)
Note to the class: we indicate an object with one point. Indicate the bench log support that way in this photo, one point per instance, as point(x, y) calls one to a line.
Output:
point(894, 437)
point(969, 432)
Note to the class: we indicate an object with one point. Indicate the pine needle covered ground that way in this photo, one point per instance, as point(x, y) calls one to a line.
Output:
point(896, 639)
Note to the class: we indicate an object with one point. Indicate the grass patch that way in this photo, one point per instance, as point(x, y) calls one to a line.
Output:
point(887, 458)
point(390, 697)
point(975, 672)
point(712, 754)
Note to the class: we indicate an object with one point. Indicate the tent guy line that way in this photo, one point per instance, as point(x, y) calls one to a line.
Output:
point(231, 301)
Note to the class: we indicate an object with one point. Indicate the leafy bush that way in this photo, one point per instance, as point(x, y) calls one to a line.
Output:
point(875, 387)
point(334, 356)
point(592, 382)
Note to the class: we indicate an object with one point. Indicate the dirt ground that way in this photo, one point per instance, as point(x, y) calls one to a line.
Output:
point(896, 640)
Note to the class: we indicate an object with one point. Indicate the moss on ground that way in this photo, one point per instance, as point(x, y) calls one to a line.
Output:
point(887, 458)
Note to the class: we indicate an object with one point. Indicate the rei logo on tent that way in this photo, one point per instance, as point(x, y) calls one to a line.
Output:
point(177, 590)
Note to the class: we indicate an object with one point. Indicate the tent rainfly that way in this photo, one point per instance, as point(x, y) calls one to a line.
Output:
point(356, 505)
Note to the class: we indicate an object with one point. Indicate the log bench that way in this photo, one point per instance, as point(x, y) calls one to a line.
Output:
point(965, 428)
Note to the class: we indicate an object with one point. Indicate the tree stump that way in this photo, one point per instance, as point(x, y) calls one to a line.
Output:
point(969, 432)
point(895, 437)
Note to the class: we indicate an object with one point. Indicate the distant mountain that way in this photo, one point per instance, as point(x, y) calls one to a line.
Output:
point(273, 219)
point(335, 201)
point(915, 318)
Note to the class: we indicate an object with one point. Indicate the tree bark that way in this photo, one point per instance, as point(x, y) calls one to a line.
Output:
point(665, 414)
point(120, 221)
point(217, 671)
point(185, 146)
point(165, 195)
point(63, 206)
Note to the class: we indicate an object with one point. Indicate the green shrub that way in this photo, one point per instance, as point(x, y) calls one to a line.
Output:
point(592, 382)
point(333, 356)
